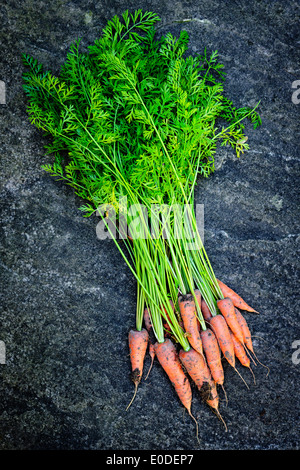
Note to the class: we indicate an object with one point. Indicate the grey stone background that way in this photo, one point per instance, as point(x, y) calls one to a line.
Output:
point(68, 299)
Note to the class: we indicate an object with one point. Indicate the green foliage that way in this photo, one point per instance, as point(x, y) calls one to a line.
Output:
point(134, 115)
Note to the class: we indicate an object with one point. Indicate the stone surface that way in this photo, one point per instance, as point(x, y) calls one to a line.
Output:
point(68, 300)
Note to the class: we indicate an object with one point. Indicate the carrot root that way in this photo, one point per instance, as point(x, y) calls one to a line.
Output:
point(222, 332)
point(240, 352)
point(168, 358)
point(236, 299)
point(252, 375)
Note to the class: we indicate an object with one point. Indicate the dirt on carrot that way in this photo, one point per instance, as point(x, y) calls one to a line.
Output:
point(199, 372)
point(190, 322)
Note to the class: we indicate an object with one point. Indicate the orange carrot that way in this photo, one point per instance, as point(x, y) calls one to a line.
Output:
point(196, 367)
point(168, 358)
point(245, 329)
point(236, 299)
point(147, 320)
point(239, 351)
point(166, 325)
point(138, 341)
point(227, 310)
point(148, 325)
point(152, 355)
point(199, 372)
point(213, 355)
point(222, 332)
point(202, 304)
point(188, 314)
point(198, 296)
point(241, 354)
point(247, 336)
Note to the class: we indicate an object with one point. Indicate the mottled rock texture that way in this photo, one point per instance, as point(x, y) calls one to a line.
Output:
point(68, 299)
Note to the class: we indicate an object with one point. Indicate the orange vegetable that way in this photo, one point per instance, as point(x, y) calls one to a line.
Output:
point(147, 320)
point(138, 341)
point(152, 355)
point(213, 355)
point(247, 335)
point(198, 296)
point(222, 332)
point(245, 329)
point(166, 325)
point(205, 311)
point(188, 314)
point(236, 299)
point(168, 358)
point(148, 325)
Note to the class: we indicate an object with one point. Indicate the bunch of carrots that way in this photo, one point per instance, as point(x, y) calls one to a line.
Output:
point(135, 119)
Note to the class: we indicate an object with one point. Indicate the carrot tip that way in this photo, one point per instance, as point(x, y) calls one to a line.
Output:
point(135, 390)
point(225, 394)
